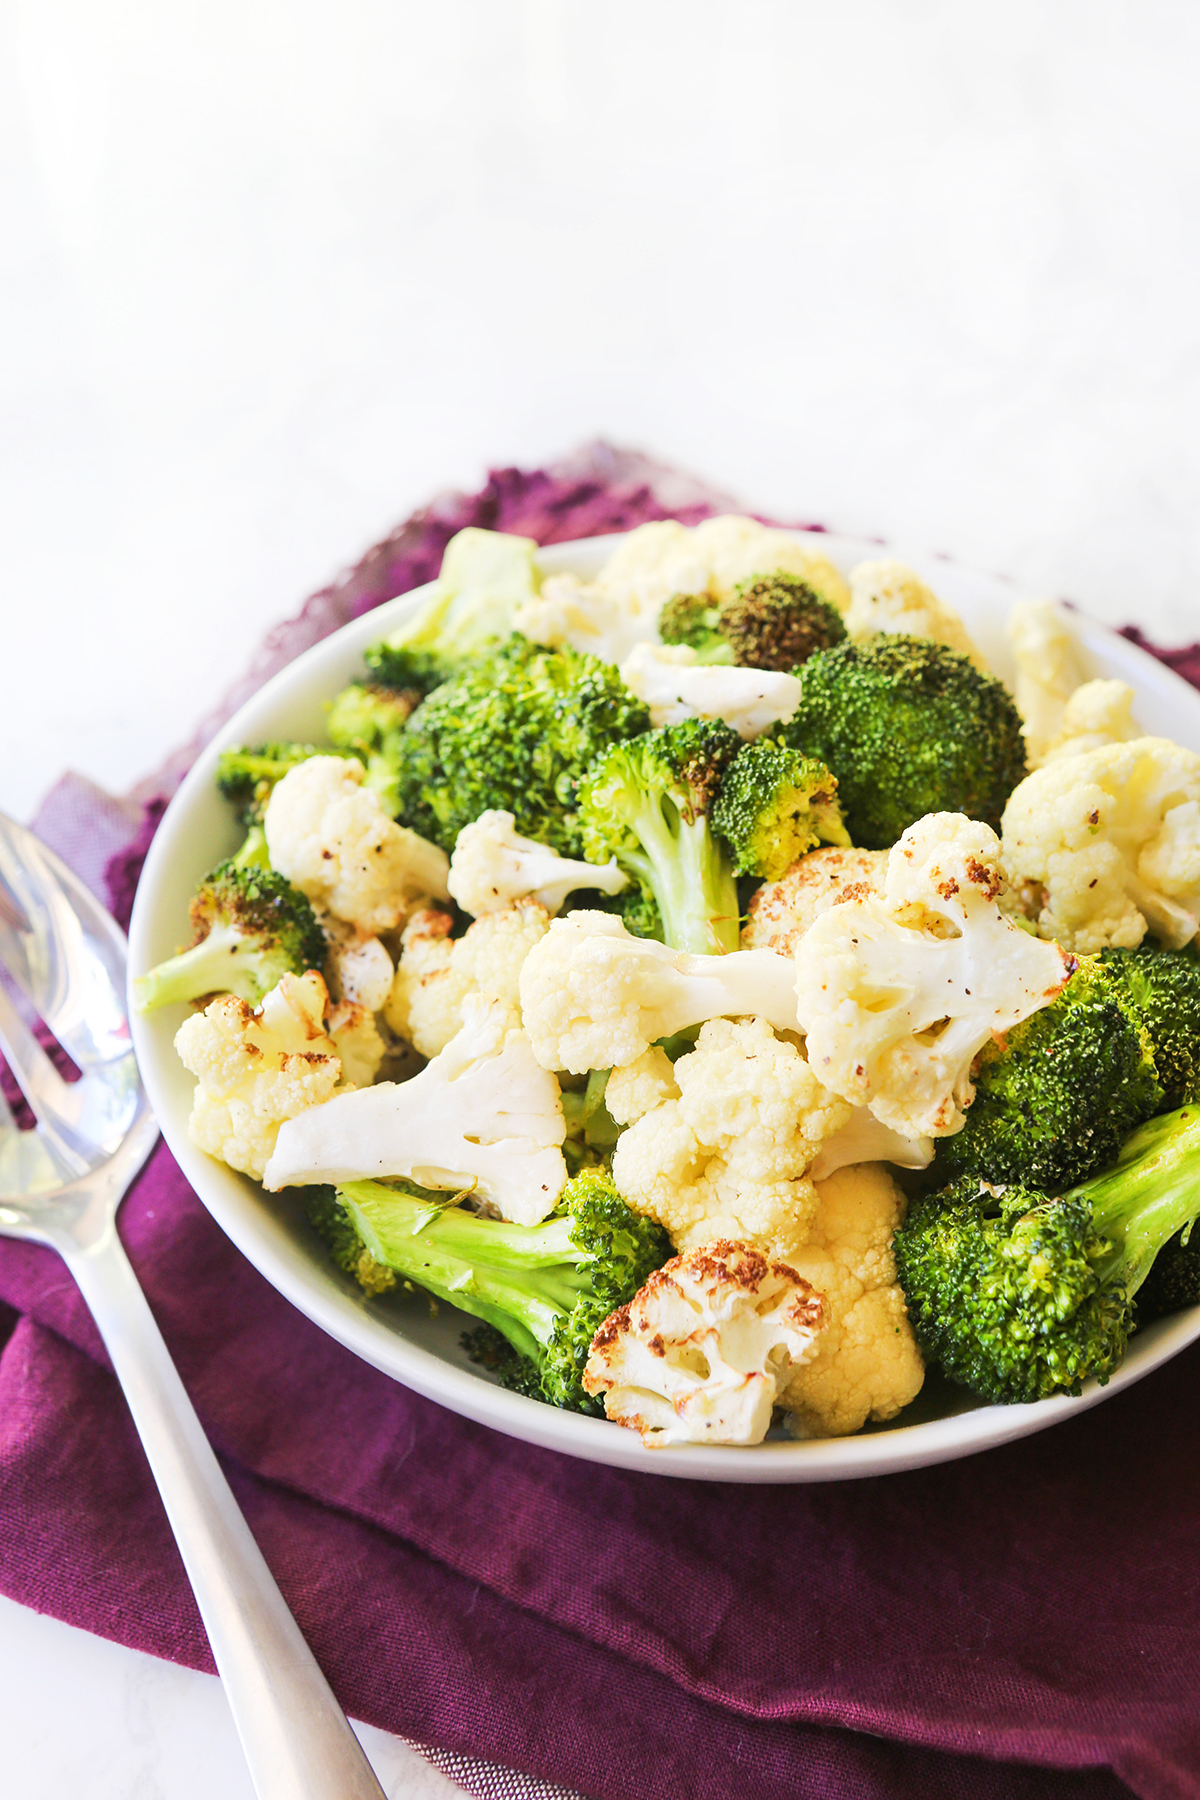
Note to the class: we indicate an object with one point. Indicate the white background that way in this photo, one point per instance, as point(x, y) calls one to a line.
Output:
point(273, 274)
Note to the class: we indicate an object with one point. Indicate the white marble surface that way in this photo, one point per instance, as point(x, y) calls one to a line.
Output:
point(91, 1720)
point(273, 275)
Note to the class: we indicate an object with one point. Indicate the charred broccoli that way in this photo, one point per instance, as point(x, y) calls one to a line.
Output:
point(1020, 1293)
point(769, 622)
point(909, 727)
point(252, 928)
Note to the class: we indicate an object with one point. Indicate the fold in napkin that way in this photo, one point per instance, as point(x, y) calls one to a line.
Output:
point(1020, 1624)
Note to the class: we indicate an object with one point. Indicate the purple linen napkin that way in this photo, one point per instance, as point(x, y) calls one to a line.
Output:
point(1022, 1623)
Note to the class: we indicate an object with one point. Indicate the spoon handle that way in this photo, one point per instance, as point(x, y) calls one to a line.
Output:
point(295, 1735)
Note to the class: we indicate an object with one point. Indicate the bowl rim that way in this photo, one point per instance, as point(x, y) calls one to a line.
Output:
point(350, 1319)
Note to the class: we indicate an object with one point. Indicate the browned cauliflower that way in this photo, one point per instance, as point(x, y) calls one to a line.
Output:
point(699, 1355)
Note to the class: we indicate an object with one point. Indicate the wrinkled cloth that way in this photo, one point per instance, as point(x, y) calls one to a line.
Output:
point(1019, 1624)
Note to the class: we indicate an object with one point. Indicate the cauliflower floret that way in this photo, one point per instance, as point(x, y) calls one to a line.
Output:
point(331, 837)
point(1049, 669)
point(481, 1115)
point(360, 968)
point(640, 1086)
point(437, 973)
point(593, 996)
point(885, 595)
point(897, 995)
point(782, 911)
point(729, 1158)
point(1099, 712)
point(493, 865)
point(1111, 839)
point(256, 1069)
point(699, 1355)
point(676, 687)
point(866, 1365)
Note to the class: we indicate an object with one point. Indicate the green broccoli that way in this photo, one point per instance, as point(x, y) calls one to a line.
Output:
point(1173, 1281)
point(1055, 1101)
point(247, 776)
point(367, 719)
point(252, 928)
point(1020, 1293)
point(693, 619)
point(774, 804)
point(909, 727)
point(646, 801)
point(515, 730)
point(778, 622)
point(336, 1230)
point(545, 1288)
point(1164, 988)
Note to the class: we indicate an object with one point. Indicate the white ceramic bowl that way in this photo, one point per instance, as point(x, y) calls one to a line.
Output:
point(397, 1334)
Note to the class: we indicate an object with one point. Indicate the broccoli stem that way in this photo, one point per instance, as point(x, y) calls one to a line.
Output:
point(227, 961)
point(1150, 1193)
point(689, 876)
point(521, 1279)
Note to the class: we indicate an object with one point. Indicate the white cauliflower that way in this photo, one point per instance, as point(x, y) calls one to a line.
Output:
point(593, 996)
point(886, 595)
point(485, 576)
point(1049, 669)
point(700, 1354)
point(359, 967)
point(619, 608)
point(437, 973)
point(675, 687)
point(587, 616)
point(493, 865)
point(730, 1157)
point(1099, 712)
point(331, 837)
point(482, 1115)
point(897, 995)
point(867, 1365)
point(256, 1069)
point(866, 1139)
point(781, 911)
point(640, 1086)
point(1109, 840)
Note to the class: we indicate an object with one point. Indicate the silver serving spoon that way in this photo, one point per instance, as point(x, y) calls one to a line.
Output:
point(61, 1184)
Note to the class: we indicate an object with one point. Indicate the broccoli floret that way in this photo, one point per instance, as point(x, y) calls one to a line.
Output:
point(546, 1288)
point(778, 622)
point(909, 727)
point(405, 670)
point(1164, 987)
point(1173, 1281)
point(592, 1132)
point(646, 802)
point(367, 719)
point(337, 1231)
point(515, 730)
point(246, 776)
point(1054, 1103)
point(774, 804)
point(1019, 1293)
point(692, 619)
point(251, 928)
